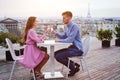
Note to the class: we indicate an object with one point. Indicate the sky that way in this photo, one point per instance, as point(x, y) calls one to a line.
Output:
point(54, 8)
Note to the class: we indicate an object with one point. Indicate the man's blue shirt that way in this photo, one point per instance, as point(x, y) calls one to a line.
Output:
point(71, 35)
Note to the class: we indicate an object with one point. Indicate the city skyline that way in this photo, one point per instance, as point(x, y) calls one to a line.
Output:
point(54, 8)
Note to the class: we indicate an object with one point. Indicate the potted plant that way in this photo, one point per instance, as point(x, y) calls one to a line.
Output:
point(105, 36)
point(13, 38)
point(117, 33)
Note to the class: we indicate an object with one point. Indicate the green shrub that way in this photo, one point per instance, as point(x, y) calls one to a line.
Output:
point(117, 31)
point(104, 34)
point(13, 38)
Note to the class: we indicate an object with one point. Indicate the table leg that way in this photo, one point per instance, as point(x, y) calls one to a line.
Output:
point(52, 60)
point(52, 74)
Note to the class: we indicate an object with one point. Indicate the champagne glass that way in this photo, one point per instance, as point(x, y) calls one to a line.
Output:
point(51, 29)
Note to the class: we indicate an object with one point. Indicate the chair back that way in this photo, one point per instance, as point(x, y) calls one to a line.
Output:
point(86, 45)
point(10, 46)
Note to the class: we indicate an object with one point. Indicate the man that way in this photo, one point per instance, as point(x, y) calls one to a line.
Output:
point(71, 35)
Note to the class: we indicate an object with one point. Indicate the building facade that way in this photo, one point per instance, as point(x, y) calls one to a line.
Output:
point(11, 25)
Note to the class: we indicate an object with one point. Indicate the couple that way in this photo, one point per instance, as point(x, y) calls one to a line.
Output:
point(35, 58)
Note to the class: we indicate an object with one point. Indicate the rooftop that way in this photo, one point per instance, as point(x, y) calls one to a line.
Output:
point(103, 64)
point(9, 20)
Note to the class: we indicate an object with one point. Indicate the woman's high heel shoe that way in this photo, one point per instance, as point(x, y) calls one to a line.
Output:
point(38, 74)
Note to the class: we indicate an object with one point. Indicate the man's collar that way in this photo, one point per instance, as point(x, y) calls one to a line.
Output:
point(69, 24)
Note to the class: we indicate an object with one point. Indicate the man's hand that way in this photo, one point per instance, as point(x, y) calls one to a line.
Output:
point(53, 32)
point(56, 39)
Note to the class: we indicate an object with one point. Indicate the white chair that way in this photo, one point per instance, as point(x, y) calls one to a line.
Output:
point(15, 58)
point(86, 45)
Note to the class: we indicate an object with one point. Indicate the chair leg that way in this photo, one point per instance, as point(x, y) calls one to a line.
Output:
point(68, 70)
point(33, 74)
point(81, 64)
point(62, 68)
point(87, 68)
point(14, 63)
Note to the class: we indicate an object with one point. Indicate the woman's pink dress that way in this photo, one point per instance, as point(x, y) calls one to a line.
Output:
point(32, 54)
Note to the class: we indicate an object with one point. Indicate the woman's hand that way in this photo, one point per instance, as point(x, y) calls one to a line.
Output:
point(45, 32)
point(42, 40)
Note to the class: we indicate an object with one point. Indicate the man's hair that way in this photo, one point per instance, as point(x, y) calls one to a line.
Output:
point(68, 13)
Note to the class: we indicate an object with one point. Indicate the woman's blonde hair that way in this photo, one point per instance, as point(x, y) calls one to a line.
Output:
point(29, 25)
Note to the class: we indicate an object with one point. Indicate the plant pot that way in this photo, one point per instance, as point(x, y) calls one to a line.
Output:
point(9, 57)
point(117, 42)
point(17, 53)
point(105, 44)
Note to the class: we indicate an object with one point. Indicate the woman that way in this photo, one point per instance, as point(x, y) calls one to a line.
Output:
point(33, 56)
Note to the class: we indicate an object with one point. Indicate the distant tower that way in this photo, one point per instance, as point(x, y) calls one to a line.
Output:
point(88, 14)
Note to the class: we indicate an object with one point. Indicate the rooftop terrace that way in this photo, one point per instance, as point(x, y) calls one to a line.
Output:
point(103, 64)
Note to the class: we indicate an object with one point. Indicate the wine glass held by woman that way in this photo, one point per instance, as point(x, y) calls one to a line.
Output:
point(33, 56)
point(46, 32)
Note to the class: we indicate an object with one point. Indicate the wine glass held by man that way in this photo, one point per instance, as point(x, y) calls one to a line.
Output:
point(33, 57)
